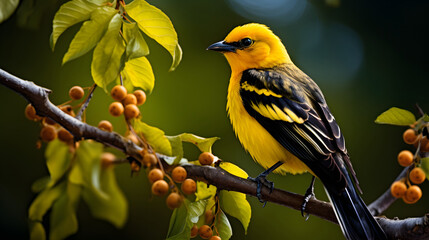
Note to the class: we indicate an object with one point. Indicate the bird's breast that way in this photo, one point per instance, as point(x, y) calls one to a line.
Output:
point(255, 139)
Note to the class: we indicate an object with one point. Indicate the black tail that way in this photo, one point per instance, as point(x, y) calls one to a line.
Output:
point(355, 220)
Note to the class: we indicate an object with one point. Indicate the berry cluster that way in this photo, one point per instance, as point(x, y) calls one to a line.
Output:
point(404, 188)
point(126, 103)
point(51, 130)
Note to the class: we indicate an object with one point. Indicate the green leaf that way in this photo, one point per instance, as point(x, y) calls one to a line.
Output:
point(223, 226)
point(236, 205)
point(37, 232)
point(425, 166)
point(396, 116)
point(57, 159)
point(204, 144)
point(197, 209)
point(179, 221)
point(63, 221)
point(107, 58)
point(106, 201)
point(176, 148)
point(154, 23)
point(90, 33)
point(136, 45)
point(68, 15)
point(40, 184)
point(139, 72)
point(7, 7)
point(154, 136)
point(44, 201)
point(87, 156)
point(204, 191)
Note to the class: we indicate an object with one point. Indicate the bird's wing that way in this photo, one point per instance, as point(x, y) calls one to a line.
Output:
point(291, 107)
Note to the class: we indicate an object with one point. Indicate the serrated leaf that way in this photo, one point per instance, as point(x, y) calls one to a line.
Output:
point(425, 166)
point(68, 15)
point(63, 221)
point(90, 33)
point(44, 201)
point(139, 72)
point(57, 159)
point(396, 116)
point(37, 232)
point(136, 45)
point(204, 144)
point(233, 169)
point(236, 205)
point(204, 191)
point(223, 226)
point(7, 7)
point(154, 23)
point(155, 137)
point(107, 59)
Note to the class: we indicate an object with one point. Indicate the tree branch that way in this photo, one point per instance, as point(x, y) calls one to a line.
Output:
point(411, 228)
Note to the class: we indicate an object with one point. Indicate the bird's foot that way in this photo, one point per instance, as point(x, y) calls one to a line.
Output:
point(309, 194)
point(261, 180)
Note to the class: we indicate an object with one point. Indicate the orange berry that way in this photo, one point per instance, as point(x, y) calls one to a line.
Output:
point(209, 216)
point(155, 175)
point(194, 231)
point(105, 126)
point(107, 159)
point(189, 186)
point(30, 113)
point(160, 188)
point(116, 109)
point(48, 133)
point(174, 200)
point(206, 158)
point(215, 238)
point(205, 232)
point(409, 136)
point(141, 97)
point(417, 175)
point(118, 92)
point(65, 135)
point(149, 159)
point(68, 109)
point(135, 167)
point(129, 99)
point(131, 111)
point(179, 174)
point(76, 92)
point(413, 194)
point(398, 189)
point(133, 138)
point(405, 158)
point(424, 144)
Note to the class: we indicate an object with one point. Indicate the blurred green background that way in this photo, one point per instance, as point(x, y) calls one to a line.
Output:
point(366, 56)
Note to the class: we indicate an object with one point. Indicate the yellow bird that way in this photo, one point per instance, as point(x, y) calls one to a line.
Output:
point(281, 118)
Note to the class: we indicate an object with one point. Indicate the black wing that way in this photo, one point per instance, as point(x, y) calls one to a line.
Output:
point(291, 107)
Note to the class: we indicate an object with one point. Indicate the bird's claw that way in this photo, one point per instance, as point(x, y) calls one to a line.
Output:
point(309, 194)
point(261, 180)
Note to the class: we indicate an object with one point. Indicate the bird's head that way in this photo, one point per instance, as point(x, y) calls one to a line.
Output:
point(252, 46)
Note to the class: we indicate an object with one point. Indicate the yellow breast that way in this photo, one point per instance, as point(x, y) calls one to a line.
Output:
point(255, 139)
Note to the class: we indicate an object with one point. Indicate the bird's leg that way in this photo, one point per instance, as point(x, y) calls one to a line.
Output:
point(308, 195)
point(261, 179)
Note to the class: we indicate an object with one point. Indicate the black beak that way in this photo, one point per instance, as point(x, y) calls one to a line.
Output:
point(222, 46)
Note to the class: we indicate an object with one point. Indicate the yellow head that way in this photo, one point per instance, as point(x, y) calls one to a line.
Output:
point(252, 46)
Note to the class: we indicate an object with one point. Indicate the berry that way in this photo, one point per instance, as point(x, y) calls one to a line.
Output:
point(174, 200)
point(65, 135)
point(413, 194)
point(48, 133)
point(215, 238)
point(179, 174)
point(410, 136)
point(135, 167)
point(131, 111)
point(30, 113)
point(405, 158)
point(129, 99)
point(76, 92)
point(194, 231)
point(209, 216)
point(107, 159)
point(105, 126)
point(417, 175)
point(205, 232)
point(141, 97)
point(206, 158)
point(68, 109)
point(398, 189)
point(155, 175)
point(116, 109)
point(189, 186)
point(133, 138)
point(149, 159)
point(160, 188)
point(118, 92)
point(424, 144)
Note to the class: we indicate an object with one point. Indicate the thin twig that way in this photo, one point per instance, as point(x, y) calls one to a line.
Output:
point(86, 103)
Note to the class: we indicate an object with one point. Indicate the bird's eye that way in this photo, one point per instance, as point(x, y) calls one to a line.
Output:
point(245, 42)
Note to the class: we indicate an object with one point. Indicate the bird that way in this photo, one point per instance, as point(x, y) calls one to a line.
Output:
point(281, 117)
